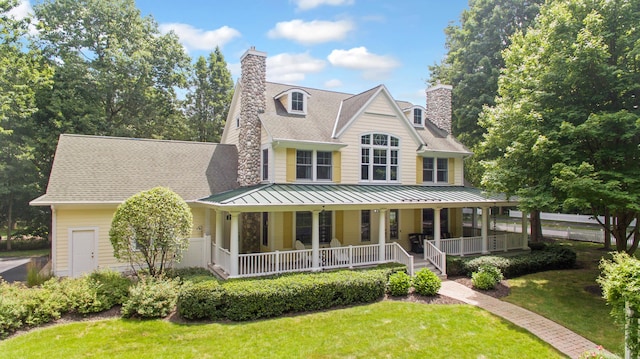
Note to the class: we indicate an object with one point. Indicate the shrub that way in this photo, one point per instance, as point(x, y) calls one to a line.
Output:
point(201, 300)
point(426, 282)
point(399, 284)
point(26, 244)
point(34, 277)
point(112, 288)
point(455, 266)
point(552, 257)
point(493, 271)
point(537, 246)
point(151, 298)
point(192, 274)
point(483, 280)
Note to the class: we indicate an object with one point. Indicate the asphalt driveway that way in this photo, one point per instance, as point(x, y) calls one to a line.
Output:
point(15, 269)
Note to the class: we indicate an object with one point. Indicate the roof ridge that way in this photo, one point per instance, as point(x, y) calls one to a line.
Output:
point(140, 139)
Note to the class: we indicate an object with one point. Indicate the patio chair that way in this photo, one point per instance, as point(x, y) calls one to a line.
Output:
point(304, 256)
point(340, 255)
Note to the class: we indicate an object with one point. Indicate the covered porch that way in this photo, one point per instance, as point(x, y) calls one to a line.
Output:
point(260, 230)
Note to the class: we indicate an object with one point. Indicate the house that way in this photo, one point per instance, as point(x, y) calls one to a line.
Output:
point(303, 179)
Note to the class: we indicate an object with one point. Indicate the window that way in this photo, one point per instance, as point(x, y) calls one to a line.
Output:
point(237, 122)
point(297, 101)
point(365, 225)
point(427, 222)
point(265, 164)
point(265, 229)
point(394, 214)
point(417, 116)
point(435, 170)
point(379, 157)
point(314, 165)
point(304, 225)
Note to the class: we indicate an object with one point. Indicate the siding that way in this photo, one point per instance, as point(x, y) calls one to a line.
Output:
point(280, 165)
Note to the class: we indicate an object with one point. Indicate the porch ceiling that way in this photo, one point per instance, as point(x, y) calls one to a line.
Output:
point(285, 197)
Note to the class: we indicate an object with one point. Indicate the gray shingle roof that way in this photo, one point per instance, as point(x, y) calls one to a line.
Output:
point(94, 169)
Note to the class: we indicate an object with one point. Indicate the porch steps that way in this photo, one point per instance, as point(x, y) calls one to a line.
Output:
point(419, 263)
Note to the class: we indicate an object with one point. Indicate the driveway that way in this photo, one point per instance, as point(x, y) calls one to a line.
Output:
point(15, 269)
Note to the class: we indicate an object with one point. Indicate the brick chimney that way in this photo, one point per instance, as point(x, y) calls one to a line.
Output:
point(439, 106)
point(252, 103)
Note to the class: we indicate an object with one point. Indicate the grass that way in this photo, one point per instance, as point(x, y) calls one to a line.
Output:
point(380, 330)
point(563, 297)
point(26, 254)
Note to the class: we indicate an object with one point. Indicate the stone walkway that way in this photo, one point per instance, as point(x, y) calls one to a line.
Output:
point(561, 338)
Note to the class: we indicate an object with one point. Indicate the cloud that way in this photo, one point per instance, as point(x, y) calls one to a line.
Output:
point(198, 39)
point(289, 68)
point(310, 4)
point(313, 32)
point(21, 11)
point(333, 83)
point(359, 58)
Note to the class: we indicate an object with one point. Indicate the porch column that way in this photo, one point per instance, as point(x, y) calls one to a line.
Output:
point(382, 221)
point(233, 245)
point(436, 227)
point(525, 231)
point(207, 235)
point(485, 227)
point(474, 221)
point(315, 239)
point(218, 237)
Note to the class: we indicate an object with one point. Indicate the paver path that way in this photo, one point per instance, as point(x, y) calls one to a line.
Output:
point(561, 338)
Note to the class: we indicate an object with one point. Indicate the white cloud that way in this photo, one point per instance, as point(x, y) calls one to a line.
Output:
point(313, 32)
point(290, 68)
point(359, 58)
point(198, 39)
point(21, 11)
point(333, 83)
point(310, 4)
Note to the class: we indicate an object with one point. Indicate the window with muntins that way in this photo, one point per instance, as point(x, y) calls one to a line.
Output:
point(314, 165)
point(265, 164)
point(417, 116)
point(379, 157)
point(304, 165)
point(435, 170)
point(297, 101)
point(365, 225)
point(304, 226)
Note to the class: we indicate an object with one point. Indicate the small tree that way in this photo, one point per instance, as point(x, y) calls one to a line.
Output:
point(151, 229)
point(620, 282)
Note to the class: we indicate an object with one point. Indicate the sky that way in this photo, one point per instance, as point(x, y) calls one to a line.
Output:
point(340, 45)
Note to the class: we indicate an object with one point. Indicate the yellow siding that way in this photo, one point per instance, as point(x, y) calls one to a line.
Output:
point(339, 230)
point(280, 165)
point(197, 231)
point(406, 226)
point(381, 117)
point(287, 230)
point(284, 100)
point(455, 222)
point(459, 172)
point(351, 232)
point(417, 221)
point(231, 137)
point(452, 170)
point(337, 167)
point(419, 178)
point(291, 165)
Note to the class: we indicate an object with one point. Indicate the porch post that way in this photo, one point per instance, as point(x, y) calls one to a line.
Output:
point(485, 227)
point(436, 227)
point(315, 239)
point(207, 235)
point(218, 238)
point(233, 245)
point(525, 231)
point(474, 221)
point(382, 234)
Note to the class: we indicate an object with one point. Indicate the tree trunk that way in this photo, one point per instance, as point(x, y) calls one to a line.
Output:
point(536, 226)
point(607, 229)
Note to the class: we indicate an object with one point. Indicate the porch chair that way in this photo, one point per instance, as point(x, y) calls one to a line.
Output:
point(304, 256)
point(340, 255)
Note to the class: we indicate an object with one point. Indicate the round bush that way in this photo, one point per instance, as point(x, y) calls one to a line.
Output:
point(492, 271)
point(426, 282)
point(483, 280)
point(151, 298)
point(399, 284)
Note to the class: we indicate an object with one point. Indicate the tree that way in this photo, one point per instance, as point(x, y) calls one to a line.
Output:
point(151, 229)
point(620, 282)
point(211, 89)
point(579, 59)
point(124, 72)
point(22, 73)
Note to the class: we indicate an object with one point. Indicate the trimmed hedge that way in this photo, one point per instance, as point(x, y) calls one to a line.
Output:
point(549, 258)
point(266, 298)
point(26, 244)
point(399, 284)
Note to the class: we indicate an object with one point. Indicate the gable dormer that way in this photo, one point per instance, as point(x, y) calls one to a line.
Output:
point(294, 100)
point(416, 114)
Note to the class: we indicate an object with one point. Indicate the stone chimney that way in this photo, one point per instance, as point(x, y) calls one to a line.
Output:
point(439, 106)
point(252, 103)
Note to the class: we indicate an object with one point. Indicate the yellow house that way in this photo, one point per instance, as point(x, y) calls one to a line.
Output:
point(304, 179)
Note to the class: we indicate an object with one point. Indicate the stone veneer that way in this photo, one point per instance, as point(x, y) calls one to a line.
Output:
point(439, 106)
point(252, 103)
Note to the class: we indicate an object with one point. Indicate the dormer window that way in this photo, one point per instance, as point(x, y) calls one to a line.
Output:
point(295, 101)
point(417, 116)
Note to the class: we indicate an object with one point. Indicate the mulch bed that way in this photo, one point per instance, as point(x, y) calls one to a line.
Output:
point(502, 289)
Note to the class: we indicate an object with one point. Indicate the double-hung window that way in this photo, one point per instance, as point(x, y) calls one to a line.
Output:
point(314, 165)
point(265, 164)
point(379, 157)
point(435, 170)
point(417, 116)
point(304, 226)
point(297, 101)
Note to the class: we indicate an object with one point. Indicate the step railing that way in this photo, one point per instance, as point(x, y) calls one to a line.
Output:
point(435, 256)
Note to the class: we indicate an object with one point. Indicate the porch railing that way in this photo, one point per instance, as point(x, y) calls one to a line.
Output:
point(435, 256)
point(259, 264)
point(473, 245)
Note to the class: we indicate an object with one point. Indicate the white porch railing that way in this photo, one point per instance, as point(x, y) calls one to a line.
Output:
point(259, 264)
point(473, 245)
point(435, 256)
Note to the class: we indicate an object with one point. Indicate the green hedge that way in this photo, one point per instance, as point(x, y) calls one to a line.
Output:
point(549, 258)
point(265, 298)
point(26, 244)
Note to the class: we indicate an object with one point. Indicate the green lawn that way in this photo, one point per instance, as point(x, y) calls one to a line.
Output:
point(387, 329)
point(562, 296)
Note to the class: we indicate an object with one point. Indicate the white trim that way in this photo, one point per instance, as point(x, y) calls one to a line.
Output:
point(435, 172)
point(307, 145)
point(289, 94)
point(270, 160)
point(314, 167)
point(54, 240)
point(95, 245)
point(388, 165)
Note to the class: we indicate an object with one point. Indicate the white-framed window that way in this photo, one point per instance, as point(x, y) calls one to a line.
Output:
point(417, 116)
point(435, 170)
point(394, 219)
point(312, 165)
point(297, 101)
point(379, 157)
point(304, 224)
point(265, 164)
point(365, 225)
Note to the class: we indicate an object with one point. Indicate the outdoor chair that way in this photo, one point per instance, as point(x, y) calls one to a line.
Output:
point(340, 255)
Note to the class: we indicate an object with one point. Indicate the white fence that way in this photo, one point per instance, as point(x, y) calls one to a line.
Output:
point(473, 245)
point(259, 264)
point(435, 256)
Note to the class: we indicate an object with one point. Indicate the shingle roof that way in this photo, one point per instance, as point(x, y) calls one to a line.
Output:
point(358, 196)
point(94, 169)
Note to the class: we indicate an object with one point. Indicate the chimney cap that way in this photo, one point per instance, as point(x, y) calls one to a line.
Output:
point(252, 51)
point(439, 86)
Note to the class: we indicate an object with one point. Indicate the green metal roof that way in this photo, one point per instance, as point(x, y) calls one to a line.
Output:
point(336, 196)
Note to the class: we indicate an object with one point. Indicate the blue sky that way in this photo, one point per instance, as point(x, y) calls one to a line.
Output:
point(341, 45)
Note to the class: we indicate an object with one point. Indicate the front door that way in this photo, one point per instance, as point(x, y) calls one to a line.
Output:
point(83, 255)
